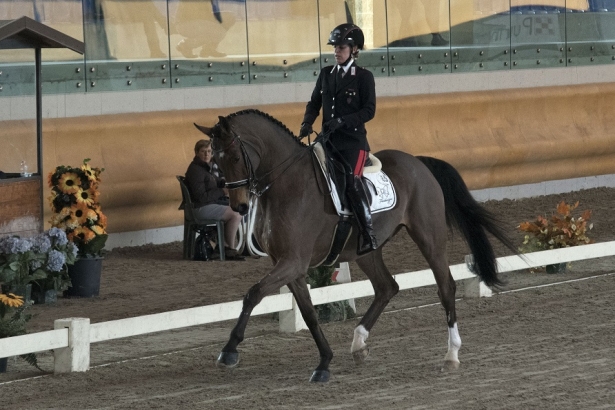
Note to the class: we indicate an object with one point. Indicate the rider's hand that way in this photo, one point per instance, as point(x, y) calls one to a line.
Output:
point(221, 183)
point(306, 129)
point(334, 124)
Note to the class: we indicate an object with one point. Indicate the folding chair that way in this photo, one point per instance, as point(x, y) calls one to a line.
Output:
point(192, 224)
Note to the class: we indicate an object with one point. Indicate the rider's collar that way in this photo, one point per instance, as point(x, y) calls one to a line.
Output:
point(345, 67)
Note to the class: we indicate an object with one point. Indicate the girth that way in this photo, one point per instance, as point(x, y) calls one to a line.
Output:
point(343, 230)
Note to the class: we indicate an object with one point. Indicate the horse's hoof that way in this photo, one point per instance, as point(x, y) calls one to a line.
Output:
point(320, 376)
point(449, 366)
point(360, 355)
point(227, 360)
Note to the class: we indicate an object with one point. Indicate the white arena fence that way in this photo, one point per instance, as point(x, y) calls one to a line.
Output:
point(71, 339)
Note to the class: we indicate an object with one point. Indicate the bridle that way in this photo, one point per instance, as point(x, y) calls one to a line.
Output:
point(253, 182)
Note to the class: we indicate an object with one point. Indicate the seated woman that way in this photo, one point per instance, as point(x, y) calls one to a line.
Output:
point(206, 186)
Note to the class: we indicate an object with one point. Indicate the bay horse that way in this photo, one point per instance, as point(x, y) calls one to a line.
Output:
point(296, 218)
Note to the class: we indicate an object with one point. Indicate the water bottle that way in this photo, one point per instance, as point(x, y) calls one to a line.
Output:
point(24, 169)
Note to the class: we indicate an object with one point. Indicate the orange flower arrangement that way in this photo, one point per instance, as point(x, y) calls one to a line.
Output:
point(561, 230)
point(74, 202)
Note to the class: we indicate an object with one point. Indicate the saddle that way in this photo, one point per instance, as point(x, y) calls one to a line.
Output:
point(379, 188)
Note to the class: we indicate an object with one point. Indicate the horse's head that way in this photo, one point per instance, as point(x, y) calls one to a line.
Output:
point(231, 157)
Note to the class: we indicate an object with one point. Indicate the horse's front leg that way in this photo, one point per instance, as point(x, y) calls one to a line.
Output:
point(278, 277)
point(301, 293)
point(229, 356)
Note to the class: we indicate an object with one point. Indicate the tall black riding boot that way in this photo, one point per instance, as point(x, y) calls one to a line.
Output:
point(360, 206)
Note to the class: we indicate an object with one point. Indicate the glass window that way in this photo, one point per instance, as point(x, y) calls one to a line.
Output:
point(590, 32)
point(283, 40)
point(127, 44)
point(480, 35)
point(62, 69)
point(148, 44)
point(538, 34)
point(418, 36)
point(208, 42)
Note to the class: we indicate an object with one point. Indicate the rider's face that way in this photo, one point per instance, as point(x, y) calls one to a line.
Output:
point(342, 53)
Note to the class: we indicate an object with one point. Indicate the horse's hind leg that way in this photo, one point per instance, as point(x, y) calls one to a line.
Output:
point(432, 243)
point(301, 292)
point(385, 288)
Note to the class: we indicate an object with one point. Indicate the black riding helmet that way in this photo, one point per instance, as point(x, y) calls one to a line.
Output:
point(347, 33)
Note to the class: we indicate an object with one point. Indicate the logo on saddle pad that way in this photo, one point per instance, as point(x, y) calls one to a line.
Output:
point(377, 183)
point(381, 190)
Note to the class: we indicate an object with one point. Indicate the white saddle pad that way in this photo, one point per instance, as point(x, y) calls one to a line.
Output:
point(381, 188)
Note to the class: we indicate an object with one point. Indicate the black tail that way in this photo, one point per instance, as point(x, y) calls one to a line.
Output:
point(470, 218)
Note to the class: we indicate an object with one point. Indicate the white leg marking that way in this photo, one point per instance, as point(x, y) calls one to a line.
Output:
point(360, 336)
point(454, 343)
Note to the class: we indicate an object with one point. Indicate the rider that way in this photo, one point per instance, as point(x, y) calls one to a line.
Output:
point(347, 94)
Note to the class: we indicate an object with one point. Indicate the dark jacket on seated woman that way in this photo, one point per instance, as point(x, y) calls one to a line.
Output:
point(205, 188)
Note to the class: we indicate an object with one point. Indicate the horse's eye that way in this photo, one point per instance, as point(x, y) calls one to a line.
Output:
point(236, 160)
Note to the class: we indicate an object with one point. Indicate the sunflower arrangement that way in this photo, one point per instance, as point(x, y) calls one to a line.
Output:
point(75, 206)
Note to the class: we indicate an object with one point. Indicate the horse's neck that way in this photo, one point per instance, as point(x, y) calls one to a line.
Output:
point(274, 148)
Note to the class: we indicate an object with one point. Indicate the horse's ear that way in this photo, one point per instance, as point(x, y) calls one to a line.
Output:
point(204, 130)
point(224, 123)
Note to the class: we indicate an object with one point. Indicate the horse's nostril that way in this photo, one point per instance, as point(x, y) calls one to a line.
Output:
point(242, 209)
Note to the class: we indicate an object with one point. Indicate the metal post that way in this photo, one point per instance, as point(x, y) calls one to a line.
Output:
point(39, 111)
point(39, 128)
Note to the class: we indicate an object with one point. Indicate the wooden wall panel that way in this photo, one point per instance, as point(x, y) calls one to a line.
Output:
point(494, 138)
point(20, 206)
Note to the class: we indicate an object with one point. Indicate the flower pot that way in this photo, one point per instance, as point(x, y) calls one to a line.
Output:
point(85, 277)
point(3, 362)
point(47, 296)
point(24, 291)
point(556, 268)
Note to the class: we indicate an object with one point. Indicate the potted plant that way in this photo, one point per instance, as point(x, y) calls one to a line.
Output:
point(41, 261)
point(13, 319)
point(561, 230)
point(76, 210)
point(328, 312)
point(16, 275)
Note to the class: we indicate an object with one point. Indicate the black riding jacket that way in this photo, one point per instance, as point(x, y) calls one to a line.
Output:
point(353, 100)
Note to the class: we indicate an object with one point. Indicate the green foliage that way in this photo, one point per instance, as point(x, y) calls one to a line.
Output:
point(13, 322)
point(42, 259)
point(320, 276)
point(329, 312)
point(94, 247)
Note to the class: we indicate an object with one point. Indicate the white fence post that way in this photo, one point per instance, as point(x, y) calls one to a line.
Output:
point(475, 288)
point(291, 321)
point(342, 275)
point(75, 357)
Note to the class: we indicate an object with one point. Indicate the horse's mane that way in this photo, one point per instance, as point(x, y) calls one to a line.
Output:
point(270, 118)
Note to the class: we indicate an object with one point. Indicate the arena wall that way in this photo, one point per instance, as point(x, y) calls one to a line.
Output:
point(494, 138)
